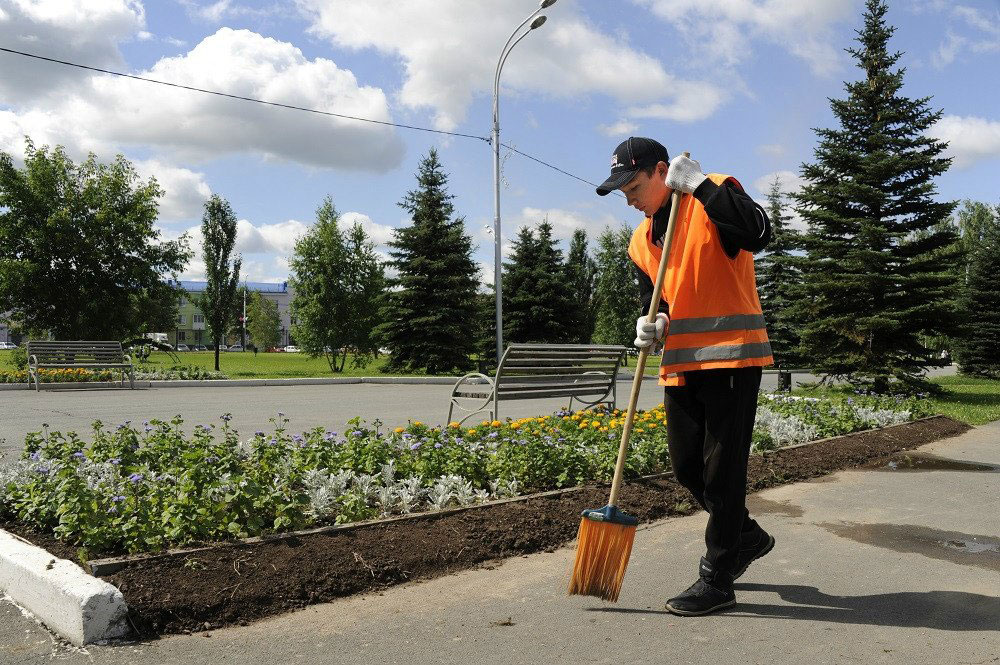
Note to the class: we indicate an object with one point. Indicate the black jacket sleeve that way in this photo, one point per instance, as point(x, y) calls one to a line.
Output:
point(742, 225)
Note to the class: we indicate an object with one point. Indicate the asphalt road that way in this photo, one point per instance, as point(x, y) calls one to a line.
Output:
point(306, 406)
point(870, 566)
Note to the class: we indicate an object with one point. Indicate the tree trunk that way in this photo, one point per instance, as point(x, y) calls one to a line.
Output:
point(217, 342)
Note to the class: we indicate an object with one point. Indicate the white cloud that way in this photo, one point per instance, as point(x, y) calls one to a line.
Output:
point(983, 38)
point(971, 139)
point(620, 128)
point(379, 234)
point(564, 223)
point(184, 191)
point(114, 112)
point(790, 182)
point(81, 31)
point(444, 46)
point(733, 26)
point(276, 238)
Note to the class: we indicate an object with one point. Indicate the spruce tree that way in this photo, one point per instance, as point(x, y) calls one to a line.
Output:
point(778, 277)
point(617, 289)
point(428, 313)
point(979, 343)
point(581, 279)
point(536, 298)
point(877, 276)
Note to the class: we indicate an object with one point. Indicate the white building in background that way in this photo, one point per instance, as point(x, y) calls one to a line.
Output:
point(190, 327)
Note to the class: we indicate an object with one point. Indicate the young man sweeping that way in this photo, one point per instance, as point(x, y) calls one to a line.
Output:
point(714, 346)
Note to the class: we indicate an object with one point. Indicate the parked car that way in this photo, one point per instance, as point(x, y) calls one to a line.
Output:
point(201, 347)
point(292, 349)
point(276, 349)
point(7, 345)
point(183, 347)
point(234, 347)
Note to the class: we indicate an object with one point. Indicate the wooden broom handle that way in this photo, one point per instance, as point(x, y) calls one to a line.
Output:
point(640, 365)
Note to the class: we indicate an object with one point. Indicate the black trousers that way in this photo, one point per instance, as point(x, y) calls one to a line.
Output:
point(709, 428)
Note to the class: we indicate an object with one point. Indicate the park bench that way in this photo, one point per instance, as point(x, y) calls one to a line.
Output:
point(73, 355)
point(583, 372)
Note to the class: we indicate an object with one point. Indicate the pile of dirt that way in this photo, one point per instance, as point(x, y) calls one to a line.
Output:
point(237, 583)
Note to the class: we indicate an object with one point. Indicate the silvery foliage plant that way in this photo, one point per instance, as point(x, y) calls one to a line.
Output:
point(783, 430)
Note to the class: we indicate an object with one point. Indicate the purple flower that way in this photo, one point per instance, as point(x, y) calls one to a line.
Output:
point(258, 433)
point(118, 498)
point(416, 445)
point(115, 460)
point(227, 417)
point(35, 456)
point(148, 429)
point(211, 459)
point(357, 432)
point(79, 455)
point(135, 478)
point(43, 470)
point(112, 511)
point(493, 435)
point(438, 445)
point(329, 436)
point(280, 414)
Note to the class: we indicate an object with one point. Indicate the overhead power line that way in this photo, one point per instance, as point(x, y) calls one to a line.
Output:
point(281, 105)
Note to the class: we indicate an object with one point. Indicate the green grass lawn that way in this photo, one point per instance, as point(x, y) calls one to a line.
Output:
point(245, 365)
point(969, 399)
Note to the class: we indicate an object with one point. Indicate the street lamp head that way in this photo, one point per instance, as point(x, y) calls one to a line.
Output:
point(547, 3)
point(537, 22)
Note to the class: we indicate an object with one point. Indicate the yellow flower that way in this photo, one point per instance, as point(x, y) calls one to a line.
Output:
point(515, 425)
point(398, 430)
point(417, 423)
point(472, 431)
point(596, 423)
point(583, 425)
point(496, 423)
point(638, 429)
point(454, 425)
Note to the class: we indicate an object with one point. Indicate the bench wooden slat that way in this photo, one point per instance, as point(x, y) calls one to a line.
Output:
point(83, 354)
point(551, 378)
point(587, 372)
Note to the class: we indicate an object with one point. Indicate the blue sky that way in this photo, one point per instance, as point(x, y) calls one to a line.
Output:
point(738, 83)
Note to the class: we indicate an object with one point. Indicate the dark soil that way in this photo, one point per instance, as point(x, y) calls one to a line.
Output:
point(237, 583)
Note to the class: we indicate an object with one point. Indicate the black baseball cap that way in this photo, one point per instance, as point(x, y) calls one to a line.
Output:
point(631, 156)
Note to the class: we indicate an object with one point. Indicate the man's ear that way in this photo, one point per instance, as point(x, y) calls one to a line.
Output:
point(661, 170)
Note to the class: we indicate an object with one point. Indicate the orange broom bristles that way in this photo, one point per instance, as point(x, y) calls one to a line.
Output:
point(601, 558)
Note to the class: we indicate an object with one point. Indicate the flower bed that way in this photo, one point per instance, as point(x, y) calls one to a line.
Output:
point(82, 375)
point(145, 489)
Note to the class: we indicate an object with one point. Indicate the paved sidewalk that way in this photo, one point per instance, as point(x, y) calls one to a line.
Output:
point(306, 407)
point(870, 567)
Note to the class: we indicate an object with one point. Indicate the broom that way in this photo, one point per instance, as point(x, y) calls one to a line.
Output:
point(606, 534)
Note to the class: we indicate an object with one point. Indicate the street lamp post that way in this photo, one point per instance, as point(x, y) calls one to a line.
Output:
point(495, 140)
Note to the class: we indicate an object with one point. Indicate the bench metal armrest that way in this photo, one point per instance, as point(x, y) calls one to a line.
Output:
point(455, 397)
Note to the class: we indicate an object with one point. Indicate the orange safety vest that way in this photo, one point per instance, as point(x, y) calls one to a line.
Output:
point(715, 315)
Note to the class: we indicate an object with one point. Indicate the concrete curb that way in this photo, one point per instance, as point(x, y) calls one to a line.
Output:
point(77, 606)
point(243, 383)
point(307, 381)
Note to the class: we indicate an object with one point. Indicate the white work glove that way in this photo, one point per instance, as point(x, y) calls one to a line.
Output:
point(647, 334)
point(684, 174)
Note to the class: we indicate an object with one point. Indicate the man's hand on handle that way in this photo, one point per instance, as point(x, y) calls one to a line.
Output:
point(684, 174)
point(648, 334)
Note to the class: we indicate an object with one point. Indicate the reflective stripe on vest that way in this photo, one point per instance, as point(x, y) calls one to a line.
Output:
point(715, 315)
point(709, 353)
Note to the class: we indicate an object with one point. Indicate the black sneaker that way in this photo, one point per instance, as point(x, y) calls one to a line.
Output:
point(753, 551)
point(701, 598)
point(713, 591)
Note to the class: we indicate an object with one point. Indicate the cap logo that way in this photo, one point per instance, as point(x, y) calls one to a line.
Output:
point(614, 160)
